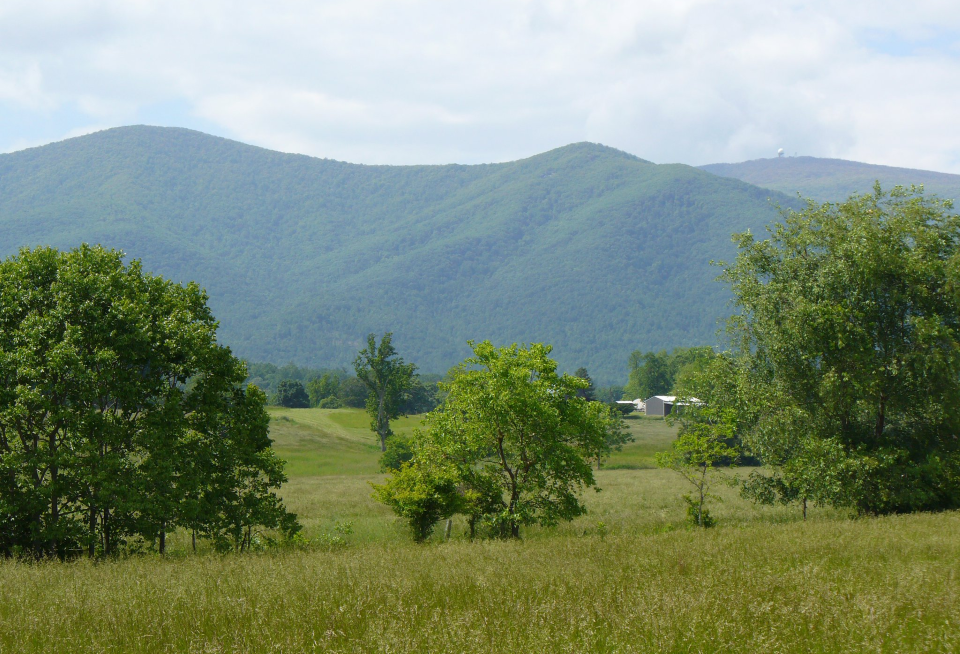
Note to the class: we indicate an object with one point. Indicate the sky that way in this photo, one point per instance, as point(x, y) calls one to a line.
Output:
point(406, 82)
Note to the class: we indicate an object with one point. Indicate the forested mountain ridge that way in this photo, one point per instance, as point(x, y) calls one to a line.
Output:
point(833, 180)
point(588, 248)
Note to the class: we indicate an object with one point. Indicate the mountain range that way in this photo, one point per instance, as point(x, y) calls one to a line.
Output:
point(833, 180)
point(591, 249)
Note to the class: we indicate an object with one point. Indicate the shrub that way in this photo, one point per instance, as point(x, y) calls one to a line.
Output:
point(423, 495)
point(330, 403)
point(399, 451)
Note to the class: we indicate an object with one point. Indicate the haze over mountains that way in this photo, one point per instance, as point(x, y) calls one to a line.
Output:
point(588, 248)
point(833, 180)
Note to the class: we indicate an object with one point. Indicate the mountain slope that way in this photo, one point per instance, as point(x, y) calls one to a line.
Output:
point(833, 180)
point(585, 247)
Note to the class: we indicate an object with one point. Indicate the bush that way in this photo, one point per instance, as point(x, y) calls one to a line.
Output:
point(330, 403)
point(624, 409)
point(291, 394)
point(399, 451)
point(421, 494)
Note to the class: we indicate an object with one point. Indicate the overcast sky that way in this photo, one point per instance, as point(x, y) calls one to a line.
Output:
point(437, 82)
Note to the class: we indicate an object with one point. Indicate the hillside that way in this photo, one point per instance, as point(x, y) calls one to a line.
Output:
point(585, 247)
point(832, 180)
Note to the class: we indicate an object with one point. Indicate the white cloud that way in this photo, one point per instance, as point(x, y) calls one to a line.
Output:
point(381, 81)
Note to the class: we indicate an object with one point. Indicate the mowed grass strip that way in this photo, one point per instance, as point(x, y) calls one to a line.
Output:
point(320, 442)
point(880, 585)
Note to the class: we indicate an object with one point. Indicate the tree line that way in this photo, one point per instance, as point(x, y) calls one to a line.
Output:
point(295, 387)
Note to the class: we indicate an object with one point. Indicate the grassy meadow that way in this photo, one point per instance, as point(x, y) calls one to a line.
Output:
point(627, 577)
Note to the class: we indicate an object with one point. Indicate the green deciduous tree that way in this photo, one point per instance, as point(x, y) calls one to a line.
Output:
point(702, 443)
point(120, 415)
point(848, 352)
point(387, 378)
point(291, 394)
point(708, 418)
point(518, 436)
point(422, 494)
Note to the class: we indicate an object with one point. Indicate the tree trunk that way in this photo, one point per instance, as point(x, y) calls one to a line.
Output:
point(107, 545)
point(383, 425)
point(92, 547)
point(54, 498)
point(703, 482)
point(881, 416)
point(163, 539)
point(804, 508)
point(193, 539)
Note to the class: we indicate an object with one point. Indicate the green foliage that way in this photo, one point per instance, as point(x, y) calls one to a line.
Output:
point(330, 403)
point(589, 393)
point(121, 418)
point(422, 396)
point(353, 393)
point(438, 254)
point(321, 388)
point(518, 436)
point(624, 409)
point(399, 451)
point(707, 435)
point(388, 379)
point(422, 494)
point(291, 394)
point(615, 432)
point(610, 394)
point(268, 376)
point(657, 373)
point(697, 514)
point(847, 353)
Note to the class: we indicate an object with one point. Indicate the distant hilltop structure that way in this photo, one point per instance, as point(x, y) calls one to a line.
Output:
point(780, 152)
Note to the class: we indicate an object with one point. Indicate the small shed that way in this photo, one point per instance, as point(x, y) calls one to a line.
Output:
point(662, 405)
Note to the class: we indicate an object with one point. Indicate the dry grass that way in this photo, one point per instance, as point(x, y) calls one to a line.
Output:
point(763, 581)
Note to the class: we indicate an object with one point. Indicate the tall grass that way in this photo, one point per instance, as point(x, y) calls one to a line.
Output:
point(627, 577)
point(887, 585)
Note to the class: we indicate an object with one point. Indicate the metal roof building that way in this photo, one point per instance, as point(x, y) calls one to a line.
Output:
point(662, 405)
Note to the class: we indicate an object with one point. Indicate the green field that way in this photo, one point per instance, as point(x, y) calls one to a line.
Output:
point(627, 577)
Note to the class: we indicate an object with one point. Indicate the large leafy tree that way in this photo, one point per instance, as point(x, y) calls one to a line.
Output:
point(518, 436)
point(118, 409)
point(388, 378)
point(848, 358)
